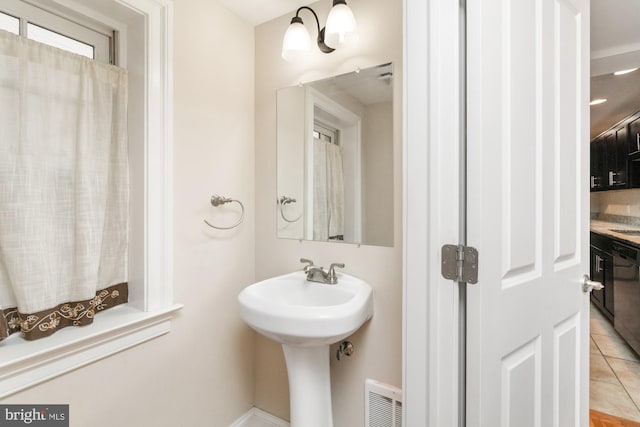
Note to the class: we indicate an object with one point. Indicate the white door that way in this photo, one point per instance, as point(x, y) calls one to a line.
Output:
point(528, 212)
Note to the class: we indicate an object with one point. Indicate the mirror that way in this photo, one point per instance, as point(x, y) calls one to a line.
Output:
point(335, 159)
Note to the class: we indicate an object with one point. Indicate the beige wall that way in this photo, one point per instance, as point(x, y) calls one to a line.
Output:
point(378, 344)
point(200, 374)
point(378, 177)
point(291, 125)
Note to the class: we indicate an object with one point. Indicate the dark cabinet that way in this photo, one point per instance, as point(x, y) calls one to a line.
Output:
point(618, 167)
point(615, 156)
point(609, 159)
point(633, 142)
point(602, 271)
point(633, 147)
point(598, 181)
point(597, 274)
point(634, 171)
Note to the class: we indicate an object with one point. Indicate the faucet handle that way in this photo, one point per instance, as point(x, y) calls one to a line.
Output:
point(333, 279)
point(308, 262)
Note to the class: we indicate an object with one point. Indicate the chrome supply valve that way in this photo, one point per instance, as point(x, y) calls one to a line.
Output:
point(345, 348)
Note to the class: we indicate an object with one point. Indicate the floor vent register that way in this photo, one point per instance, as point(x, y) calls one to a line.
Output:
point(383, 405)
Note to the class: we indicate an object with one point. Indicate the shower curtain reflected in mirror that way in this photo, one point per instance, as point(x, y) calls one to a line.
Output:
point(328, 191)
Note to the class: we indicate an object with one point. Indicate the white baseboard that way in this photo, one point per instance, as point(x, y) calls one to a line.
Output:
point(255, 417)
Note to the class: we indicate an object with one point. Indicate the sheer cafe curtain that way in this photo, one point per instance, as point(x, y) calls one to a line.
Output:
point(64, 188)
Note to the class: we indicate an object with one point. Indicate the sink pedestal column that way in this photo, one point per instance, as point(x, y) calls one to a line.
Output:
point(309, 385)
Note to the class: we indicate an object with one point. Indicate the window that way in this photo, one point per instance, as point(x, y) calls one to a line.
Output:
point(60, 41)
point(9, 23)
point(49, 28)
point(146, 52)
point(325, 133)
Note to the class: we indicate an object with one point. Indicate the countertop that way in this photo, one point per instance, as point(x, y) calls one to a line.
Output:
point(605, 228)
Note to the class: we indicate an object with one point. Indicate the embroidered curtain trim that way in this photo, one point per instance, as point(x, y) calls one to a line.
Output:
point(77, 313)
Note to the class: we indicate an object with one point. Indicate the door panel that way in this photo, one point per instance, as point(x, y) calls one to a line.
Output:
point(520, 161)
point(566, 368)
point(521, 385)
point(567, 139)
point(527, 133)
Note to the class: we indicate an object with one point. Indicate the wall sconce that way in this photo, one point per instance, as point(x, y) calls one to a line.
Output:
point(341, 29)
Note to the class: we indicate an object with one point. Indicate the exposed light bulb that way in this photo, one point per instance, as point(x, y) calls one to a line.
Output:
point(598, 101)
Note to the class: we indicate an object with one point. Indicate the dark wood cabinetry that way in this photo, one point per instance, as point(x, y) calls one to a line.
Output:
point(618, 170)
point(615, 156)
point(598, 168)
point(633, 141)
point(602, 271)
point(633, 146)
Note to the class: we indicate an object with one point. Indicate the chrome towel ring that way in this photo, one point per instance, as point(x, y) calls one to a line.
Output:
point(283, 201)
point(216, 201)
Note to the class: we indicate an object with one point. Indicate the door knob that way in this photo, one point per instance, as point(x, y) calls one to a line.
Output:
point(588, 285)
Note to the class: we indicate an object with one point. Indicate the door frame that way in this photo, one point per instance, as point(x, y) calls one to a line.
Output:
point(431, 211)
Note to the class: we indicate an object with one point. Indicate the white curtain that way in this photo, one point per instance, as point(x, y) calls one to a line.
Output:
point(64, 189)
point(328, 191)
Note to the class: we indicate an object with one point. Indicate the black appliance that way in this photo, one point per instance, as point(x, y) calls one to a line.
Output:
point(626, 282)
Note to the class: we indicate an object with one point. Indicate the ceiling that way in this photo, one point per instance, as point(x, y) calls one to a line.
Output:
point(368, 86)
point(614, 27)
point(257, 12)
point(615, 45)
point(623, 98)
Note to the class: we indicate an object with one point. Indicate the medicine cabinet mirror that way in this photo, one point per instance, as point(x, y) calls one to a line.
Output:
point(335, 159)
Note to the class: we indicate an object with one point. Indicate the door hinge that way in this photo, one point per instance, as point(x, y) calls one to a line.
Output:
point(460, 263)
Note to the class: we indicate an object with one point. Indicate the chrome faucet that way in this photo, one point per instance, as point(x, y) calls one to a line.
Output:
point(318, 274)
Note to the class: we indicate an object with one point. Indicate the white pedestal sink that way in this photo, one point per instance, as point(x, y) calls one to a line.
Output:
point(306, 317)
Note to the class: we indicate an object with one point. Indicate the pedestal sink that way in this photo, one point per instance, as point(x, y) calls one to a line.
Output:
point(306, 317)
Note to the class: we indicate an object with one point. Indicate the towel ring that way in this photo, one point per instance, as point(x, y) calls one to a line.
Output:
point(283, 201)
point(216, 201)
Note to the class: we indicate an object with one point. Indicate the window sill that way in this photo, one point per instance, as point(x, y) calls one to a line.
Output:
point(27, 363)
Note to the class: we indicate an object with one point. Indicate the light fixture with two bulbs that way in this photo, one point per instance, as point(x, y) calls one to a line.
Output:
point(341, 29)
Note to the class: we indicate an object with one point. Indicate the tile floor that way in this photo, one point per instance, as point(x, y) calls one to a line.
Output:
point(615, 371)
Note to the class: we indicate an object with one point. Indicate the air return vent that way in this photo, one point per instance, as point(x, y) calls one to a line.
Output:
point(383, 405)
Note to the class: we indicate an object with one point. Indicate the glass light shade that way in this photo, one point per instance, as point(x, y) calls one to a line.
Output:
point(341, 27)
point(296, 43)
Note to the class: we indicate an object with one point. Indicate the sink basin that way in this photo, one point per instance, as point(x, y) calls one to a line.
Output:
point(306, 317)
point(291, 310)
